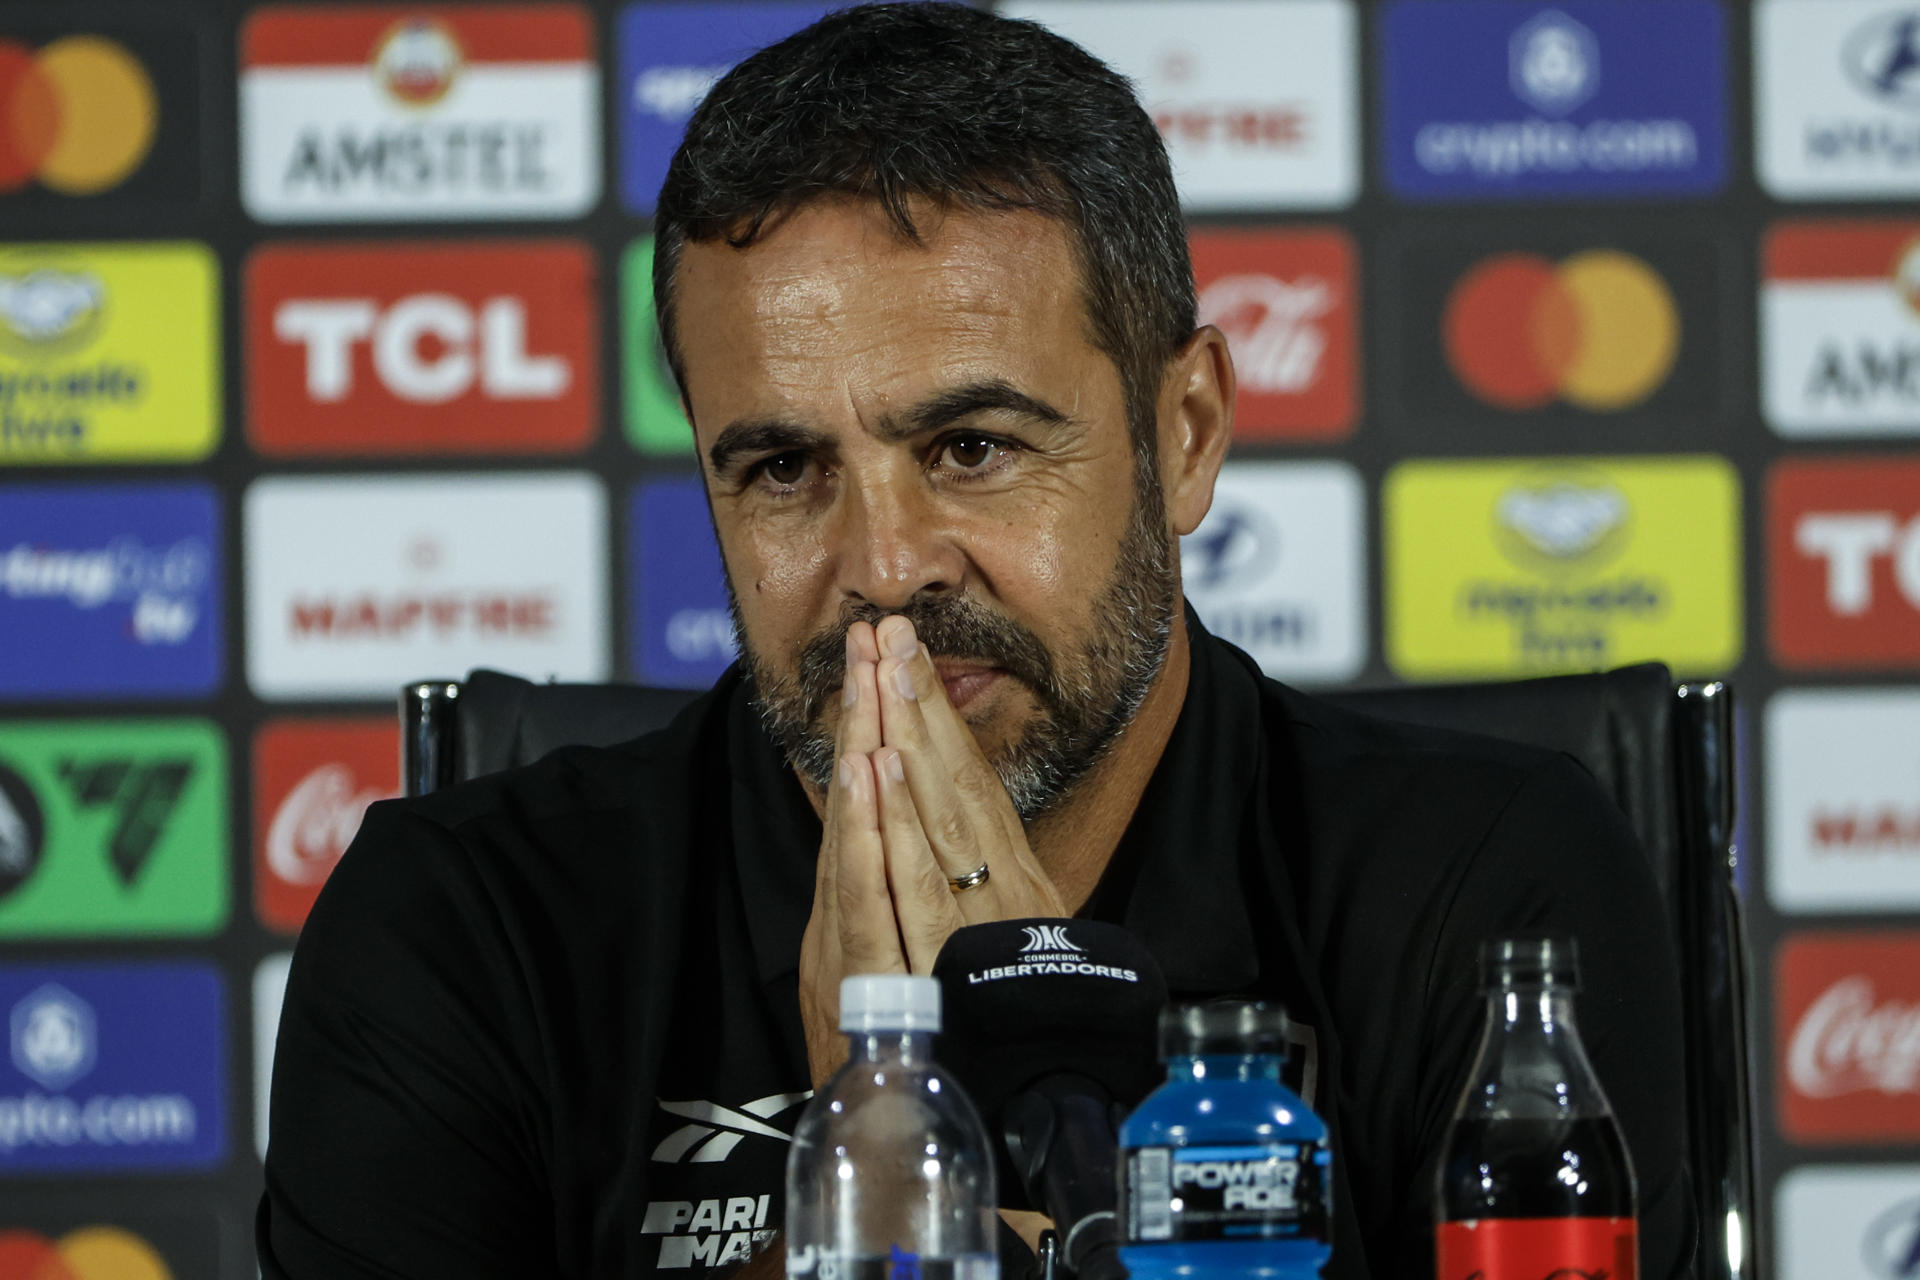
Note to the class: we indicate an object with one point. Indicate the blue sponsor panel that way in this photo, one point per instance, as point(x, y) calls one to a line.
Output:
point(1492, 100)
point(681, 633)
point(110, 590)
point(669, 55)
point(112, 1068)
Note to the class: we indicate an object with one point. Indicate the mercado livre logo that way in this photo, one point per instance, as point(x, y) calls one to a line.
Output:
point(108, 353)
point(112, 828)
point(449, 111)
point(1530, 566)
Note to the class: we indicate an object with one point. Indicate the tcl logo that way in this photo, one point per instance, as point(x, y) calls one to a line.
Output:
point(313, 781)
point(1845, 543)
point(1285, 300)
point(1849, 1026)
point(421, 348)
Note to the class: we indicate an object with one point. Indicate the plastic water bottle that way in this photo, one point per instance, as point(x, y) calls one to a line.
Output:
point(890, 1176)
point(1224, 1171)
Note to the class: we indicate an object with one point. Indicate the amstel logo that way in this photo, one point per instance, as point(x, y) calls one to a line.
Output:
point(1507, 568)
point(418, 62)
point(1598, 330)
point(78, 115)
point(91, 1253)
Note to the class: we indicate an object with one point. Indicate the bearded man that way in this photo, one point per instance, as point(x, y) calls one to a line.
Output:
point(922, 276)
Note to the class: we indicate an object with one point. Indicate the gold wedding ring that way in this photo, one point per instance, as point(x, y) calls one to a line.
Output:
point(971, 880)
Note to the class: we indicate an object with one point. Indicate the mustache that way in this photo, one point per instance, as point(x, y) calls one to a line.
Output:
point(951, 626)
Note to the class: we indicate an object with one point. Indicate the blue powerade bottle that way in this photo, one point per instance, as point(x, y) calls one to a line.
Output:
point(1223, 1169)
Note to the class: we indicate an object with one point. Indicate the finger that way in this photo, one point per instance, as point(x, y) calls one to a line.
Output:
point(859, 706)
point(869, 935)
point(942, 812)
point(985, 796)
point(922, 901)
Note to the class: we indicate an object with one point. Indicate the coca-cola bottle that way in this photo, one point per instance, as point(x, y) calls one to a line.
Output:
point(1534, 1178)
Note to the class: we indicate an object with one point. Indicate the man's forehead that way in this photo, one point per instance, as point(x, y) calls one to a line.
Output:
point(830, 252)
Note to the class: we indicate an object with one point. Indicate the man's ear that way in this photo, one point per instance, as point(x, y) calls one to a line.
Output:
point(1196, 425)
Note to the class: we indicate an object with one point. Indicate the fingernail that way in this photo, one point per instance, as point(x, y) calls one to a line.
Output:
point(896, 770)
point(850, 691)
point(903, 681)
point(846, 775)
point(901, 643)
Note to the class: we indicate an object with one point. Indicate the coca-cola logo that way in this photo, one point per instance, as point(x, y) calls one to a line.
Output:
point(1849, 1041)
point(316, 822)
point(1272, 327)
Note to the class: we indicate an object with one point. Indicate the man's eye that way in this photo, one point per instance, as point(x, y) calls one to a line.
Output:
point(785, 468)
point(970, 453)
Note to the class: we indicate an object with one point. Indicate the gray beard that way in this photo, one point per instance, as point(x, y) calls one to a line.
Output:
point(1086, 701)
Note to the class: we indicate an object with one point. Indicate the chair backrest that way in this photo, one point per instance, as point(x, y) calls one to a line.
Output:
point(1664, 752)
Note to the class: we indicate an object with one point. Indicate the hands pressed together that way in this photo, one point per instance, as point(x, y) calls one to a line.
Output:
point(914, 804)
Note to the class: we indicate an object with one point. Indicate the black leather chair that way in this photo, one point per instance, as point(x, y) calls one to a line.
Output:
point(1663, 751)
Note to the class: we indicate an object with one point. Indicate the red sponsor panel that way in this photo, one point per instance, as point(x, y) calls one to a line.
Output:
point(1837, 250)
point(1843, 539)
point(421, 347)
point(1847, 1016)
point(1286, 301)
point(349, 35)
point(312, 781)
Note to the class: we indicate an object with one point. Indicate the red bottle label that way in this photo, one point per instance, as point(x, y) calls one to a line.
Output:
point(1538, 1249)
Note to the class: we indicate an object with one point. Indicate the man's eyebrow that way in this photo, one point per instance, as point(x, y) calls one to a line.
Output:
point(991, 395)
point(760, 435)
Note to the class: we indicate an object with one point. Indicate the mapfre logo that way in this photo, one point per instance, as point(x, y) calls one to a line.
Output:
point(1843, 800)
point(357, 585)
point(1258, 100)
point(1568, 564)
point(422, 348)
point(1837, 98)
point(312, 783)
point(1843, 537)
point(1840, 328)
point(378, 112)
point(1287, 302)
point(1848, 1018)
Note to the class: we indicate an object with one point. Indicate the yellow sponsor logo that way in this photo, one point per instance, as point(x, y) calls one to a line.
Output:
point(108, 353)
point(1531, 566)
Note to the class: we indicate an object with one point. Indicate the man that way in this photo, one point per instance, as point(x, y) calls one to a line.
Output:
point(923, 279)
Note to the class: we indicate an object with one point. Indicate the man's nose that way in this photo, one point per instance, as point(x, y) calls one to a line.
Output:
point(891, 544)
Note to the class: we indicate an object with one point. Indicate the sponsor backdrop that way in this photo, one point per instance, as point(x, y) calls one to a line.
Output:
point(1569, 335)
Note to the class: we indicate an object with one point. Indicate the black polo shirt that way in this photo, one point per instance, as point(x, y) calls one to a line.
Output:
point(547, 1023)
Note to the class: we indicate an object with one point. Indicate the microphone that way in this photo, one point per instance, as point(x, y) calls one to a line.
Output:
point(1051, 1027)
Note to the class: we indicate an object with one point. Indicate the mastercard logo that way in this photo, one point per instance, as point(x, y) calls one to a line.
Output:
point(79, 115)
point(91, 1253)
point(1598, 330)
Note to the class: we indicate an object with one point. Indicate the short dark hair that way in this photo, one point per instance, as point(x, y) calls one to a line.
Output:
point(962, 108)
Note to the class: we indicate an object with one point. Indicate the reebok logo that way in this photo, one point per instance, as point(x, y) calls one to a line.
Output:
point(717, 1130)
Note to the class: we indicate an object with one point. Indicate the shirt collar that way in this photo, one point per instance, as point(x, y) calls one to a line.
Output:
point(1176, 878)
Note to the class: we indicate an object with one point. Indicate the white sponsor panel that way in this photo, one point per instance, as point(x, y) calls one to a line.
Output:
point(1848, 1222)
point(1278, 567)
point(269, 990)
point(1836, 98)
point(1843, 800)
point(1258, 99)
point(355, 141)
point(357, 585)
point(1840, 358)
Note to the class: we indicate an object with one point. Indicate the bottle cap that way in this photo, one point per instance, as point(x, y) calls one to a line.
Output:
point(889, 1002)
point(1529, 961)
point(1223, 1027)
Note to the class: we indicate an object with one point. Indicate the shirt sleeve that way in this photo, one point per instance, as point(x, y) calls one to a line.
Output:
point(406, 1138)
point(1561, 859)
